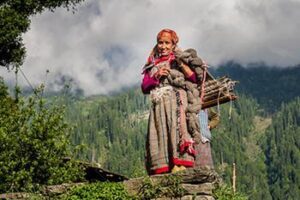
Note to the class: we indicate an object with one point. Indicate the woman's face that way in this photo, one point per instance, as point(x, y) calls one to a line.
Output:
point(165, 45)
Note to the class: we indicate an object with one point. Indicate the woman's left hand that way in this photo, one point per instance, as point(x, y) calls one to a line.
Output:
point(162, 72)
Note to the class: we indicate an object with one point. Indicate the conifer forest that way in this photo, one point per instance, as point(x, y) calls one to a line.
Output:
point(40, 129)
point(261, 138)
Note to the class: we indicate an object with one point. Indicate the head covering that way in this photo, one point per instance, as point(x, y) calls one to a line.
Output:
point(173, 34)
point(153, 57)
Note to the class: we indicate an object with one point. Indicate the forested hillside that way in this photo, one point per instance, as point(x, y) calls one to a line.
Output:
point(236, 141)
point(111, 131)
point(270, 86)
point(282, 150)
point(260, 137)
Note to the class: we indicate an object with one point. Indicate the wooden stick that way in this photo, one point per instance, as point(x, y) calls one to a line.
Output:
point(233, 179)
point(213, 96)
point(221, 100)
point(216, 91)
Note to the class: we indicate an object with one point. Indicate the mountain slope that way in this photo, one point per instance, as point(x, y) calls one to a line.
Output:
point(270, 86)
point(282, 150)
point(112, 129)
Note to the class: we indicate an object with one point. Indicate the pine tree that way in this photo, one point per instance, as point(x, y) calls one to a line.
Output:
point(282, 149)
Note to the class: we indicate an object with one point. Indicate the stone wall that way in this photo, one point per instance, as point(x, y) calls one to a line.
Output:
point(197, 184)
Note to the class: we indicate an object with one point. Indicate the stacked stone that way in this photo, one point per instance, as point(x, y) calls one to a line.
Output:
point(197, 184)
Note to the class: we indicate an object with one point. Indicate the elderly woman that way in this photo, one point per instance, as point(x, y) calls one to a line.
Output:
point(169, 145)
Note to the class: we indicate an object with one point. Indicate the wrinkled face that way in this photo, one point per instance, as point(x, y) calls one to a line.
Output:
point(165, 45)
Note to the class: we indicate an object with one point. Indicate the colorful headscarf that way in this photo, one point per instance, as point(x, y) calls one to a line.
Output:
point(173, 34)
point(153, 57)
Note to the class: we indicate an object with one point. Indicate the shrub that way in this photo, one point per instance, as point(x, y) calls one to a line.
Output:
point(33, 142)
point(98, 190)
point(224, 192)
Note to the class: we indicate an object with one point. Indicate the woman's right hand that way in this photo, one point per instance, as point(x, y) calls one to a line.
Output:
point(162, 72)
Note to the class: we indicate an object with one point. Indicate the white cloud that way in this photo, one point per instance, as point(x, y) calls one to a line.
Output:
point(105, 43)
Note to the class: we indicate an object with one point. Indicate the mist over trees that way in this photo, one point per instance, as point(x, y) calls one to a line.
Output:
point(110, 131)
point(259, 132)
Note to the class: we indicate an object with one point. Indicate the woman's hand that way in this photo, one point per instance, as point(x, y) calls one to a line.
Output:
point(162, 72)
point(185, 69)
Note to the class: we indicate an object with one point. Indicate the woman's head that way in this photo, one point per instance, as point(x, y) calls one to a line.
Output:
point(167, 40)
point(171, 33)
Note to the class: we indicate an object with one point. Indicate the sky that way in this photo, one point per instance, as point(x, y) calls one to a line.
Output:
point(102, 47)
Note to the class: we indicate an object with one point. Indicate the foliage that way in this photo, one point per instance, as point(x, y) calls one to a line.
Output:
point(174, 189)
point(282, 149)
point(15, 21)
point(167, 187)
point(111, 131)
point(98, 190)
point(234, 141)
point(149, 190)
point(225, 192)
point(33, 142)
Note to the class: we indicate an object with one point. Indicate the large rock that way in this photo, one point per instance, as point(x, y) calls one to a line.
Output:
point(188, 184)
